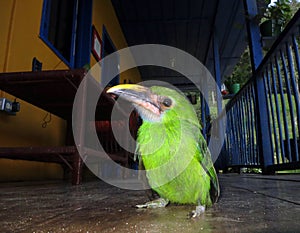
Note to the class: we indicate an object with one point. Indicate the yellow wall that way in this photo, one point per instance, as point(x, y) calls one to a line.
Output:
point(20, 42)
point(104, 14)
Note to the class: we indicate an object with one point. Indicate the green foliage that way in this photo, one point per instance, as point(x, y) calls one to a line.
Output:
point(280, 12)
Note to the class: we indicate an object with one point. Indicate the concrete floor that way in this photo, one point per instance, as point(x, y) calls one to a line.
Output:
point(248, 203)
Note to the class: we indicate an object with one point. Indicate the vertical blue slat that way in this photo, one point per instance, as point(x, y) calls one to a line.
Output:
point(268, 94)
point(248, 117)
point(288, 78)
point(204, 111)
point(288, 90)
point(230, 114)
point(235, 159)
point(248, 128)
point(204, 115)
point(237, 134)
point(274, 119)
point(296, 51)
point(241, 133)
point(252, 124)
point(277, 112)
point(229, 139)
point(239, 124)
point(296, 98)
point(255, 126)
point(244, 131)
point(283, 109)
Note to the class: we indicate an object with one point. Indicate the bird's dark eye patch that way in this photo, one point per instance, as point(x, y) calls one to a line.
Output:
point(167, 102)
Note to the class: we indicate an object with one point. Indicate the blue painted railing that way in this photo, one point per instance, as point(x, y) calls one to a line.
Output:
point(279, 72)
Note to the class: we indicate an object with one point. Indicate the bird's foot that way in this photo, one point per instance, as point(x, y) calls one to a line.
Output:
point(160, 202)
point(198, 211)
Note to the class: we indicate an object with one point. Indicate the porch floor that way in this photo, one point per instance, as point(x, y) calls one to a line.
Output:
point(248, 203)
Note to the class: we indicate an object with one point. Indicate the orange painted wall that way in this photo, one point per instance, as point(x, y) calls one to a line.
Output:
point(20, 42)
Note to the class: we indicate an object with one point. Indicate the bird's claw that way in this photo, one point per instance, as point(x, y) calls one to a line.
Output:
point(160, 202)
point(198, 211)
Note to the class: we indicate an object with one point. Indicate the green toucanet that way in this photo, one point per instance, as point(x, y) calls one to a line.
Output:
point(173, 151)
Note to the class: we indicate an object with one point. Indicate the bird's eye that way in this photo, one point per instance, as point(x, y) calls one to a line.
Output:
point(167, 102)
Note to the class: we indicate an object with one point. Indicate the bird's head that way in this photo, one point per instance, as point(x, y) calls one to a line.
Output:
point(156, 104)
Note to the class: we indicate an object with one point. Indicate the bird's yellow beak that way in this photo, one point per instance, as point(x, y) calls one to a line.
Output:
point(128, 89)
point(140, 96)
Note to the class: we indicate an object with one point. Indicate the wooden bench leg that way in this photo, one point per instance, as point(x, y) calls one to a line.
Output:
point(77, 169)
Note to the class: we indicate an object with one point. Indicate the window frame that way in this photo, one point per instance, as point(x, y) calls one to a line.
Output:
point(44, 30)
point(106, 38)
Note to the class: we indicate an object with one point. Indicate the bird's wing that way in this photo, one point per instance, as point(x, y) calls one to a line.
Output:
point(204, 158)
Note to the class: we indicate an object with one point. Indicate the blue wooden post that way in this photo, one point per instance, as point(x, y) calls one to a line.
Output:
point(205, 113)
point(221, 162)
point(217, 76)
point(263, 126)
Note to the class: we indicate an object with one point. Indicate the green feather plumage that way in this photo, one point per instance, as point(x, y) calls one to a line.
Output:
point(175, 154)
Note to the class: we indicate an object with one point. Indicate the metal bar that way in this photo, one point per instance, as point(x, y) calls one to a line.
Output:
point(296, 98)
point(235, 132)
point(288, 87)
point(239, 124)
point(228, 140)
point(283, 106)
point(277, 112)
point(269, 111)
point(257, 151)
point(244, 132)
point(296, 51)
point(235, 136)
point(252, 123)
point(251, 126)
point(272, 116)
point(249, 129)
point(246, 128)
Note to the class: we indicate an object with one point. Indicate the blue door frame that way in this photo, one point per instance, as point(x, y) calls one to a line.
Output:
point(80, 45)
point(108, 47)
